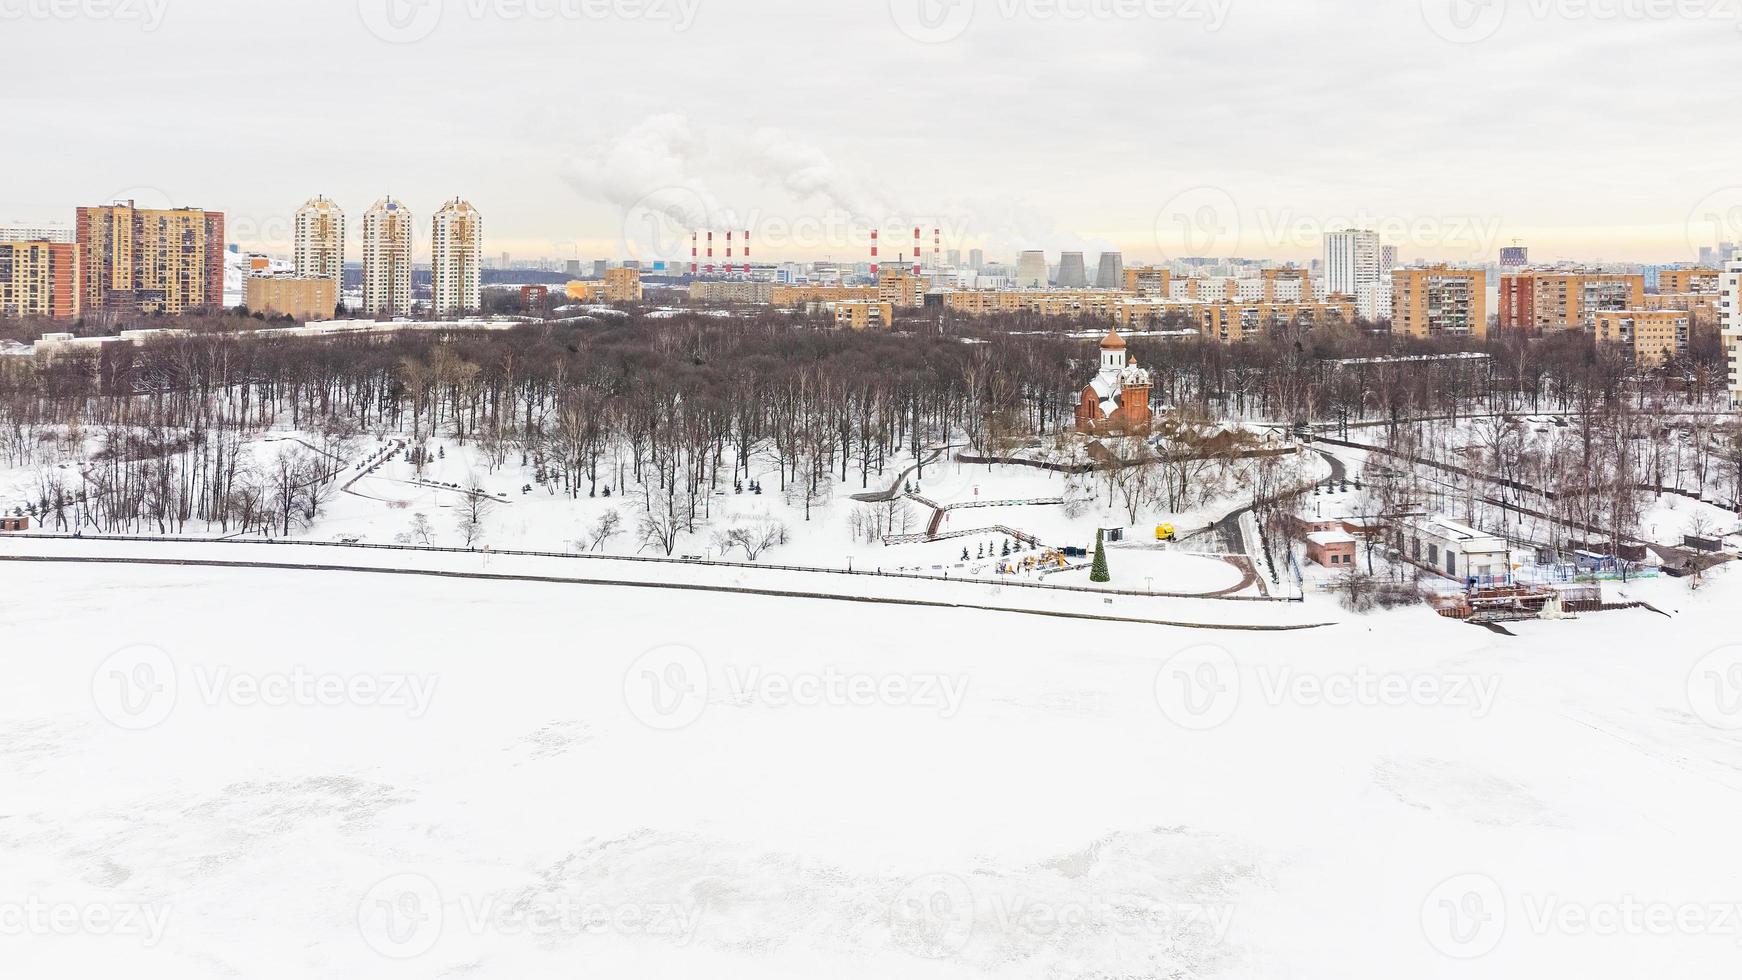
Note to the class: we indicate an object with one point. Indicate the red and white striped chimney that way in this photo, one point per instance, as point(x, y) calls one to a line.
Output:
point(873, 252)
point(916, 251)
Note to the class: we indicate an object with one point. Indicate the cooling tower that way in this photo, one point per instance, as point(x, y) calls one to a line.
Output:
point(1072, 274)
point(1111, 274)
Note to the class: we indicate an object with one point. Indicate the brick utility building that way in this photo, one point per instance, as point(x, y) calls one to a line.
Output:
point(143, 260)
point(303, 297)
point(39, 278)
point(1117, 400)
point(1331, 547)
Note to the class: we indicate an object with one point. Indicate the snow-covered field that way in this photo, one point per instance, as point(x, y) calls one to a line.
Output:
point(272, 773)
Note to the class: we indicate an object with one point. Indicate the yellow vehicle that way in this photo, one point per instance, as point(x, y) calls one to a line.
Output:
point(1164, 532)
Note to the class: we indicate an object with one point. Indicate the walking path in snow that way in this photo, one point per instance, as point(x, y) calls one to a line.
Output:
point(1230, 613)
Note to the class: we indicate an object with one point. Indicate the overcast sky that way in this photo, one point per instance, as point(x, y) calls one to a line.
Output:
point(1595, 129)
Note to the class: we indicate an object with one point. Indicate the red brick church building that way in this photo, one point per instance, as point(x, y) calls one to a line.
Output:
point(1117, 400)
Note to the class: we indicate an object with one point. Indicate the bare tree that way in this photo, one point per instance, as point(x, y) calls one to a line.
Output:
point(603, 530)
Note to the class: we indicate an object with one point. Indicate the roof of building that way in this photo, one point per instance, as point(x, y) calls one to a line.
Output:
point(1113, 341)
point(1323, 538)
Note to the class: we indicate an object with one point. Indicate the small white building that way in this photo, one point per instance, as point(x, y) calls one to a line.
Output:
point(1454, 550)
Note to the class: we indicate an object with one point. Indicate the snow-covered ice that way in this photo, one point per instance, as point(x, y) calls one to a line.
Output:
point(275, 773)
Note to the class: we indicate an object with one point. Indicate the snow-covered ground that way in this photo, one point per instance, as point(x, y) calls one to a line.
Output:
point(396, 503)
point(271, 773)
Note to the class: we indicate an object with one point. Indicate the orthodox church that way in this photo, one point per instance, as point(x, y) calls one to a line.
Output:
point(1117, 400)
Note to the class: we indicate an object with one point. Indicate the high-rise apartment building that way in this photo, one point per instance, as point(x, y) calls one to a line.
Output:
point(1552, 301)
point(142, 260)
point(1730, 319)
point(39, 278)
point(318, 241)
point(1650, 338)
point(624, 285)
point(456, 258)
point(1031, 270)
point(1148, 280)
point(387, 237)
point(1439, 301)
point(976, 259)
point(1352, 259)
point(1688, 280)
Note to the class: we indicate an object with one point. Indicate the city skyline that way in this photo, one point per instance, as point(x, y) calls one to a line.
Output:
point(1497, 132)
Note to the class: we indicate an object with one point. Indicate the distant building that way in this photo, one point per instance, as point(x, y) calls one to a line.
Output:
point(731, 291)
point(599, 267)
point(1650, 338)
point(864, 315)
point(1731, 322)
point(623, 285)
point(62, 234)
point(39, 278)
point(1072, 273)
point(976, 259)
point(1148, 280)
point(1110, 271)
point(141, 260)
point(1554, 301)
point(898, 286)
point(1373, 300)
point(318, 240)
point(1352, 259)
point(1514, 257)
point(303, 297)
point(1117, 399)
point(387, 237)
point(1031, 270)
point(456, 258)
point(1705, 280)
point(1439, 301)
